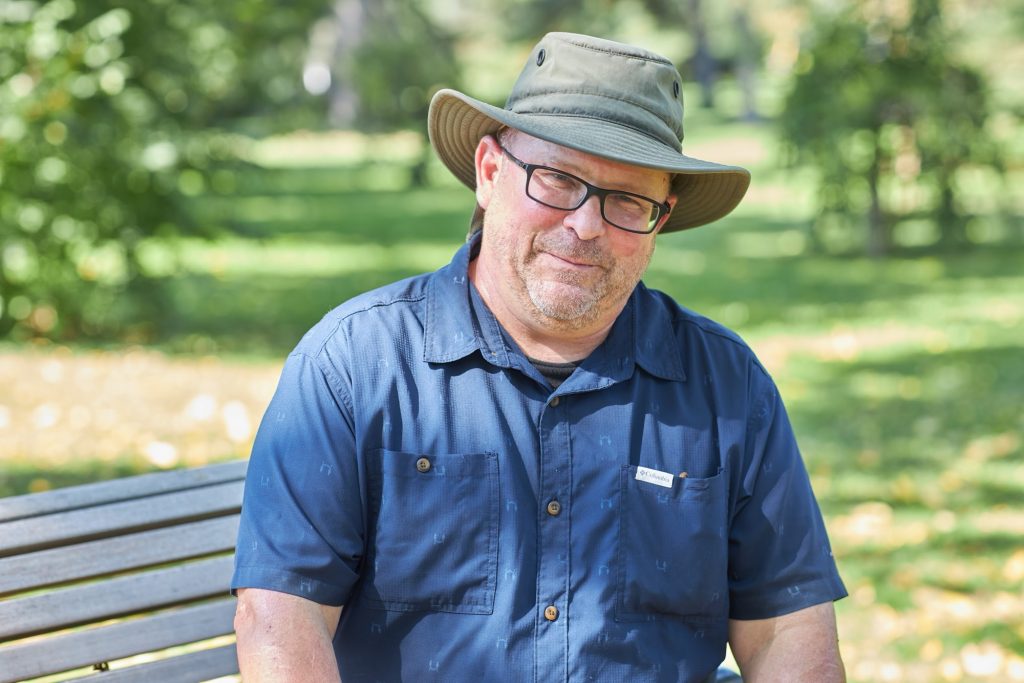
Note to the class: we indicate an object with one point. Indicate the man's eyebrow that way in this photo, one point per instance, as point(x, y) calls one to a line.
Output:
point(623, 186)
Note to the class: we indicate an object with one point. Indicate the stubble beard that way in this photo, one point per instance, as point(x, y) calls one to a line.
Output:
point(570, 300)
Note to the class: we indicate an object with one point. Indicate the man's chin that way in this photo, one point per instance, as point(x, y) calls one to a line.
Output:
point(567, 304)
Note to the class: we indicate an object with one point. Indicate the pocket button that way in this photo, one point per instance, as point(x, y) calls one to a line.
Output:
point(423, 464)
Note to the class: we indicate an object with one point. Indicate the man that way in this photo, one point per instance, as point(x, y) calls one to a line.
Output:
point(527, 466)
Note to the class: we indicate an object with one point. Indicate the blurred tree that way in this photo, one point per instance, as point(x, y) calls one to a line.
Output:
point(111, 113)
point(702, 60)
point(881, 108)
point(401, 61)
point(386, 59)
point(749, 59)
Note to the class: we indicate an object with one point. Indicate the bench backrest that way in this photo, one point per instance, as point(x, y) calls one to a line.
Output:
point(121, 570)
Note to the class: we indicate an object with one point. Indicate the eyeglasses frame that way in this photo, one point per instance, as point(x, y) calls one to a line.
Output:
point(592, 191)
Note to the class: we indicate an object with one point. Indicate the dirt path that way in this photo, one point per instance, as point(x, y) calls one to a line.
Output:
point(63, 406)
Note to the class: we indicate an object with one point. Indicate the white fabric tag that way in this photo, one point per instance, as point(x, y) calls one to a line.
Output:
point(654, 477)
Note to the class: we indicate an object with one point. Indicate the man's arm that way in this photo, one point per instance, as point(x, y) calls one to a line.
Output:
point(799, 647)
point(283, 638)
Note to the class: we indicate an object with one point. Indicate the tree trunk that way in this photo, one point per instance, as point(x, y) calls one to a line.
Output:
point(878, 234)
point(6, 294)
point(704, 67)
point(952, 232)
point(348, 20)
point(748, 59)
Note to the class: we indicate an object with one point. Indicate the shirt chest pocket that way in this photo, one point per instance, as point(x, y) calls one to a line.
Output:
point(673, 549)
point(433, 537)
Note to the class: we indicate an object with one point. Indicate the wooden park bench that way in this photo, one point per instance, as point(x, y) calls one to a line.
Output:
point(133, 569)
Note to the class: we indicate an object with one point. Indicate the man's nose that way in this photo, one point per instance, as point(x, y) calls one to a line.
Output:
point(587, 221)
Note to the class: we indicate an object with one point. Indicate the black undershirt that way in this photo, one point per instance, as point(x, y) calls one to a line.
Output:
point(554, 373)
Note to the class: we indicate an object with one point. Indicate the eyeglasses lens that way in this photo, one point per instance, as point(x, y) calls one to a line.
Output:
point(561, 191)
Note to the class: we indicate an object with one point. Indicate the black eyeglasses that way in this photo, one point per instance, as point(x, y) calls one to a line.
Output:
point(562, 190)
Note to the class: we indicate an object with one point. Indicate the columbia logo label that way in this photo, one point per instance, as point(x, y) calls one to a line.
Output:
point(657, 477)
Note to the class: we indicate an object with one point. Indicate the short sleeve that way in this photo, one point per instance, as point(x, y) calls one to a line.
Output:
point(302, 524)
point(780, 559)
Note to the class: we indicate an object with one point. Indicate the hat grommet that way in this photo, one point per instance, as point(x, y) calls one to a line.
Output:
point(541, 55)
point(675, 89)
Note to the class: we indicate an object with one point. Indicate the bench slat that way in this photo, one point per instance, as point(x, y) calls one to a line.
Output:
point(107, 643)
point(131, 551)
point(116, 597)
point(127, 488)
point(62, 528)
point(187, 668)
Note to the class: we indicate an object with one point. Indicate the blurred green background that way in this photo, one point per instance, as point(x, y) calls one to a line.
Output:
point(186, 187)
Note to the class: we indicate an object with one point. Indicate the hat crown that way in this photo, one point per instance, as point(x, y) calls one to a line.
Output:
point(573, 75)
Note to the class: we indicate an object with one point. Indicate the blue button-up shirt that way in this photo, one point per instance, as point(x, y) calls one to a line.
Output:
point(408, 463)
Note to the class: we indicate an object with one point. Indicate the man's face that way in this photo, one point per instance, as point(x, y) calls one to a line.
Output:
point(563, 270)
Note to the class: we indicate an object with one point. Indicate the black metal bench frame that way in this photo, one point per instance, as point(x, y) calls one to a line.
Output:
point(93, 574)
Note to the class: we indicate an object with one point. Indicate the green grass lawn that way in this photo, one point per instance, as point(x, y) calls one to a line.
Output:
point(904, 378)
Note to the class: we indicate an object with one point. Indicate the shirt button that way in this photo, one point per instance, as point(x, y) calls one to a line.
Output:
point(550, 612)
point(423, 464)
point(554, 402)
point(554, 507)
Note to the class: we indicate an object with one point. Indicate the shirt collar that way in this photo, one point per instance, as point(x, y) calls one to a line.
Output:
point(459, 323)
point(450, 331)
point(654, 334)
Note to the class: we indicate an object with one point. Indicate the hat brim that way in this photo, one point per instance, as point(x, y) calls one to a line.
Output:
point(706, 191)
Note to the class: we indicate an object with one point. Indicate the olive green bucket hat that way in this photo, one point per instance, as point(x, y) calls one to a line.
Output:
point(604, 98)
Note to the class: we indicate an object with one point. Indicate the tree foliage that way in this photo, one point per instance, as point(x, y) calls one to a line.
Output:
point(111, 114)
point(890, 119)
point(397, 68)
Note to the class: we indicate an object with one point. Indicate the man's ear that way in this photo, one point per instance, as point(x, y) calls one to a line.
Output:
point(671, 201)
point(488, 163)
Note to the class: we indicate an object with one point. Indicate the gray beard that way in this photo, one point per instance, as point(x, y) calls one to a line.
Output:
point(572, 312)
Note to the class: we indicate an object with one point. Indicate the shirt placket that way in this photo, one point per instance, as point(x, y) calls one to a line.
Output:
point(555, 501)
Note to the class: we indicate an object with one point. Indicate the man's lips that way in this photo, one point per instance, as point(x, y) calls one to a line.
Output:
point(573, 261)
